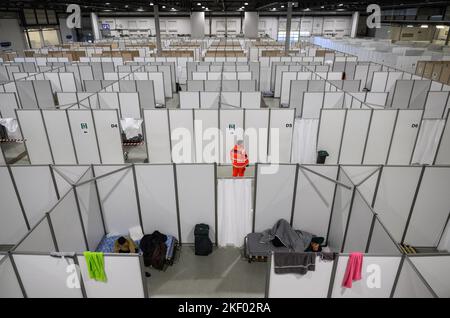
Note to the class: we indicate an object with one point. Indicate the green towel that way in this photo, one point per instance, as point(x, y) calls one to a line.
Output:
point(95, 265)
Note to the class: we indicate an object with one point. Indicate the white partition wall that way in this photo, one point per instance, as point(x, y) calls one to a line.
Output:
point(274, 191)
point(404, 137)
point(231, 126)
point(355, 136)
point(123, 274)
point(281, 127)
point(52, 274)
point(13, 225)
point(196, 204)
point(314, 200)
point(34, 133)
point(332, 123)
point(430, 212)
point(410, 283)
point(157, 136)
point(380, 135)
point(394, 197)
point(118, 199)
point(207, 139)
point(314, 284)
point(59, 136)
point(256, 132)
point(8, 280)
point(443, 152)
point(434, 270)
point(109, 136)
point(157, 199)
point(36, 189)
point(386, 268)
point(182, 135)
point(84, 136)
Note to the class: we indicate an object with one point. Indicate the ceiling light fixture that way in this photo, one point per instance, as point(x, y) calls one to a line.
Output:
point(199, 4)
point(424, 26)
point(440, 26)
point(341, 4)
point(151, 3)
point(246, 4)
point(410, 26)
point(282, 6)
point(163, 7)
point(140, 9)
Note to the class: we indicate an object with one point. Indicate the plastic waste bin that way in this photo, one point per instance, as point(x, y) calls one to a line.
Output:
point(322, 156)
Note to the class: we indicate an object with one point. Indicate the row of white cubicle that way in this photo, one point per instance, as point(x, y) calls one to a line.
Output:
point(368, 208)
point(350, 136)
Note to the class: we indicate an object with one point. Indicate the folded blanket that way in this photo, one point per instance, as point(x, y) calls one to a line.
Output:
point(294, 263)
point(95, 266)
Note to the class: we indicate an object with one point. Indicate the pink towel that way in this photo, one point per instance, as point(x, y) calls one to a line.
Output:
point(354, 269)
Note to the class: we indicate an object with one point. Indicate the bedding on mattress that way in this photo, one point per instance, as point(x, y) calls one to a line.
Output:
point(106, 245)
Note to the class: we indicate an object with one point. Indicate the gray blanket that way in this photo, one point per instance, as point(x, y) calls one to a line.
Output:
point(296, 241)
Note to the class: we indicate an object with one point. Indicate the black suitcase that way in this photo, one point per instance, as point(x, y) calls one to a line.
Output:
point(203, 245)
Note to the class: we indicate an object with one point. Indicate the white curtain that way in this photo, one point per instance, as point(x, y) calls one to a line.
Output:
point(234, 211)
point(428, 141)
point(304, 141)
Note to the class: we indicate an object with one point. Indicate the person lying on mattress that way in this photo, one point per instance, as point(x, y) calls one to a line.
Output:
point(124, 245)
point(283, 235)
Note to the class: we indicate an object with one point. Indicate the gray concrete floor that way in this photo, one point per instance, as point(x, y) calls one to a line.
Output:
point(224, 273)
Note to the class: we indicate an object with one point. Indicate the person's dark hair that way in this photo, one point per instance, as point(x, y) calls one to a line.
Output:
point(121, 240)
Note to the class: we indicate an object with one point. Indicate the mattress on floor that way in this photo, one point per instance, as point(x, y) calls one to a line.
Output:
point(106, 245)
point(253, 247)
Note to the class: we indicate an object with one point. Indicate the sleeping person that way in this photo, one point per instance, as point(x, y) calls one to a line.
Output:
point(124, 245)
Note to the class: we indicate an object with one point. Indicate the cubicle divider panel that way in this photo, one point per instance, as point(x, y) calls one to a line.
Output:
point(90, 210)
point(404, 137)
point(365, 178)
point(8, 279)
point(9, 103)
point(359, 225)
point(419, 94)
point(26, 94)
point(209, 100)
point(36, 189)
point(314, 199)
point(443, 152)
point(435, 105)
point(274, 194)
point(109, 137)
point(379, 81)
point(66, 224)
point(256, 134)
point(196, 204)
point(118, 198)
point(410, 284)
point(84, 136)
point(395, 196)
point(314, 284)
point(147, 93)
point(59, 136)
point(182, 135)
point(386, 268)
point(434, 270)
point(207, 140)
point(340, 213)
point(157, 136)
point(331, 127)
point(34, 132)
point(231, 124)
point(157, 199)
point(354, 138)
point(158, 84)
point(107, 100)
point(124, 278)
point(129, 105)
point(402, 94)
point(13, 225)
point(189, 100)
point(281, 126)
point(38, 240)
point(52, 279)
point(427, 224)
point(380, 136)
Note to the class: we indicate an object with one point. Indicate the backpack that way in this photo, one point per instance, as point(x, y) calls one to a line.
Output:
point(158, 258)
point(203, 245)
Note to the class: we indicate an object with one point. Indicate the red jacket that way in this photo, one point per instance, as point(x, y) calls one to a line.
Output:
point(239, 157)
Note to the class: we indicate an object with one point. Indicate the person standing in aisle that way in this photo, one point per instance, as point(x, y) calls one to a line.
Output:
point(239, 159)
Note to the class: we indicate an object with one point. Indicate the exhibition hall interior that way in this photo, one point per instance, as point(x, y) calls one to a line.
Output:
point(224, 149)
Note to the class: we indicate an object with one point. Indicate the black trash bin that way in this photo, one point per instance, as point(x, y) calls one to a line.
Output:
point(322, 156)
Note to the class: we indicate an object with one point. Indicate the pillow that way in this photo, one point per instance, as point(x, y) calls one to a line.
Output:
point(136, 233)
